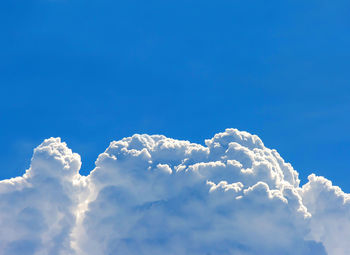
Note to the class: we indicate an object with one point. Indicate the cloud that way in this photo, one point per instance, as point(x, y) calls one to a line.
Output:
point(156, 195)
point(37, 211)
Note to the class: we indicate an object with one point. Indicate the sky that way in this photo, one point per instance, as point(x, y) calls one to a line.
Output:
point(92, 72)
point(123, 123)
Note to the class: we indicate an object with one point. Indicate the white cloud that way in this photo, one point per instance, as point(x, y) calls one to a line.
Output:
point(330, 208)
point(37, 211)
point(155, 195)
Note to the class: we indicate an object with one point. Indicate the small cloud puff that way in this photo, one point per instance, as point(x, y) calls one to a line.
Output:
point(156, 195)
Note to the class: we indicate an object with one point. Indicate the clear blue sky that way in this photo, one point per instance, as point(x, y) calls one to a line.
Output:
point(96, 71)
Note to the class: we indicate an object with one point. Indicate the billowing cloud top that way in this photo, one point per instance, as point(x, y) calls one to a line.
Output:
point(156, 195)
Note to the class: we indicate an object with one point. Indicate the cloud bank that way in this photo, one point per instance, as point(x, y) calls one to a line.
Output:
point(156, 195)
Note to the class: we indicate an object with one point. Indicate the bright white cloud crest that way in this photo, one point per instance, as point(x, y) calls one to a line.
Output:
point(155, 195)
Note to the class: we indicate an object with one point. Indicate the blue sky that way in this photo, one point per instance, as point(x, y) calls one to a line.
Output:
point(96, 71)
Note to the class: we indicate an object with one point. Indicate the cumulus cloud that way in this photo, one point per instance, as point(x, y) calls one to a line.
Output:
point(156, 195)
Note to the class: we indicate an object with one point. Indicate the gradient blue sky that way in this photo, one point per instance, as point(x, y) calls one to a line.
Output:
point(96, 71)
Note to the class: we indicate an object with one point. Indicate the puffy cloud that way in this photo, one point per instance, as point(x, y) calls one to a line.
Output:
point(37, 211)
point(330, 209)
point(156, 195)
